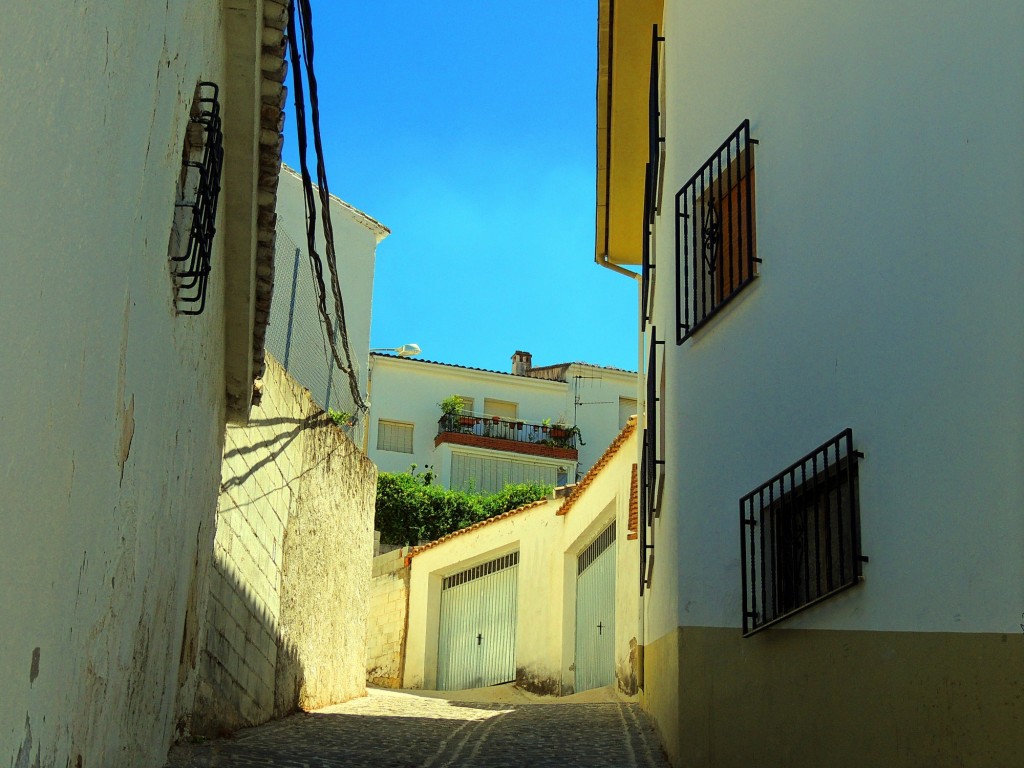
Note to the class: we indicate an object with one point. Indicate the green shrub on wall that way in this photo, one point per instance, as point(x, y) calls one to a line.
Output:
point(410, 508)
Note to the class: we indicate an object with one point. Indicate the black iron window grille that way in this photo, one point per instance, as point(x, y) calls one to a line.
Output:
point(196, 207)
point(651, 466)
point(715, 233)
point(652, 173)
point(800, 535)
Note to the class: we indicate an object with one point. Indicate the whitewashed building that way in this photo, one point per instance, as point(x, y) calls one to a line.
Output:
point(832, 529)
point(514, 427)
point(544, 595)
point(142, 143)
point(295, 334)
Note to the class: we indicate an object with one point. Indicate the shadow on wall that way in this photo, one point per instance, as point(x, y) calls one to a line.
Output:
point(272, 446)
point(248, 671)
point(284, 620)
point(289, 584)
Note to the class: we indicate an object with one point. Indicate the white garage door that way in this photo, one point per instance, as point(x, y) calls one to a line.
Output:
point(476, 644)
point(595, 612)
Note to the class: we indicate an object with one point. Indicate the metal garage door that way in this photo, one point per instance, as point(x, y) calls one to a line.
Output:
point(476, 643)
point(595, 613)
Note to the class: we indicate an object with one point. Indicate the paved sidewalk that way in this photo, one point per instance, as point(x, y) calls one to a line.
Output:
point(399, 729)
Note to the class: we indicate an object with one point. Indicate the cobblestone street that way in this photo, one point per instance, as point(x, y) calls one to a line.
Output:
point(397, 729)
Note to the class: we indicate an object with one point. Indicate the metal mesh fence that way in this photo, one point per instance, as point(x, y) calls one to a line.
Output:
point(297, 339)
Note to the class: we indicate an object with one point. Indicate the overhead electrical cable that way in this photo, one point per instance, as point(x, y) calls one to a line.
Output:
point(300, 11)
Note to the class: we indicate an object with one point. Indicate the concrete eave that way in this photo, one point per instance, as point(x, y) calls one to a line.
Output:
point(623, 83)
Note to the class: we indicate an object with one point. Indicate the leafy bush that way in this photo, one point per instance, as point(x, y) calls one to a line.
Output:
point(341, 418)
point(411, 509)
point(452, 405)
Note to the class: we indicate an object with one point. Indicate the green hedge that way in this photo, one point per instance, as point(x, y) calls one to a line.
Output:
point(411, 509)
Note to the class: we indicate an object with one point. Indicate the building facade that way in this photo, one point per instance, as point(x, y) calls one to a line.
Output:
point(834, 421)
point(294, 335)
point(127, 345)
point(512, 427)
point(544, 595)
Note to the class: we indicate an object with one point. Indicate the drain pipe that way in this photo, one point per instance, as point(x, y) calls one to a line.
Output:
point(603, 261)
point(641, 395)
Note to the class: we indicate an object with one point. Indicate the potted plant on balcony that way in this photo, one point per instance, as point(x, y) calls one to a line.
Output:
point(450, 408)
point(565, 436)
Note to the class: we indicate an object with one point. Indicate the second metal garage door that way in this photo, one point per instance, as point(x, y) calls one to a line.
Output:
point(476, 644)
point(595, 612)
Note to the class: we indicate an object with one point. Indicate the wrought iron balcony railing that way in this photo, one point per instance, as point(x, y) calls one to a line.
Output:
point(515, 430)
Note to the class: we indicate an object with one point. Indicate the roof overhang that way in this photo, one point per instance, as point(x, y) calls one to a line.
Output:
point(254, 97)
point(623, 84)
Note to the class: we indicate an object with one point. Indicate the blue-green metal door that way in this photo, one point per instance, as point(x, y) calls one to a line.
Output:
point(595, 613)
point(476, 644)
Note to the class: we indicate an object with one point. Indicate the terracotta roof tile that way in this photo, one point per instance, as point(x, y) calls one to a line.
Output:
point(475, 526)
point(634, 506)
point(606, 457)
point(272, 98)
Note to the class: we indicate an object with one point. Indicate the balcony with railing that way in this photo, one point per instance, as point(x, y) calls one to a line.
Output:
point(512, 435)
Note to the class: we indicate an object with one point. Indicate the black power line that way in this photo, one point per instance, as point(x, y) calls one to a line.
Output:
point(299, 10)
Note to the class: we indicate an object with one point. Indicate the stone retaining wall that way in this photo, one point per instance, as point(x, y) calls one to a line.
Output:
point(389, 605)
point(286, 618)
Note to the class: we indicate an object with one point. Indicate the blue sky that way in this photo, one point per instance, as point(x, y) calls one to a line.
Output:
point(468, 129)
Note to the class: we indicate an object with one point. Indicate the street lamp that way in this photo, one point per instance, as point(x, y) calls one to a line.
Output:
point(406, 350)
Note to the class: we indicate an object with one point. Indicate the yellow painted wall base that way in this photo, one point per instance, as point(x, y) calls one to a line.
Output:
point(803, 698)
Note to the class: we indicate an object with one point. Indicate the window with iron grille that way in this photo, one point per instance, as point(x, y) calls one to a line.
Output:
point(801, 535)
point(394, 436)
point(191, 242)
point(652, 176)
point(716, 250)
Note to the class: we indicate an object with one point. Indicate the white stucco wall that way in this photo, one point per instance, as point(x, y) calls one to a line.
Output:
point(531, 532)
point(598, 391)
point(111, 407)
point(356, 237)
point(889, 191)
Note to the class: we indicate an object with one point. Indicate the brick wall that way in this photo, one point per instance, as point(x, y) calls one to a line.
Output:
point(286, 615)
point(385, 637)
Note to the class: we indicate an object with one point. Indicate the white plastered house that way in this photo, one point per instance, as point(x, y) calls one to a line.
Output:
point(515, 427)
point(834, 430)
point(544, 595)
point(294, 335)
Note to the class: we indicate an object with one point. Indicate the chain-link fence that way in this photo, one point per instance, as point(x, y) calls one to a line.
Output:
point(297, 339)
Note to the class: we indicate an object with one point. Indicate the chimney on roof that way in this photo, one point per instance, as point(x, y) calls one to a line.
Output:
point(522, 362)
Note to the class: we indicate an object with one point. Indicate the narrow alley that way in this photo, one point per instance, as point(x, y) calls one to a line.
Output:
point(400, 729)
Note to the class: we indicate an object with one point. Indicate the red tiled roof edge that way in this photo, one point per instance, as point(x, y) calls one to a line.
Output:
point(634, 506)
point(273, 92)
point(416, 550)
point(592, 473)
